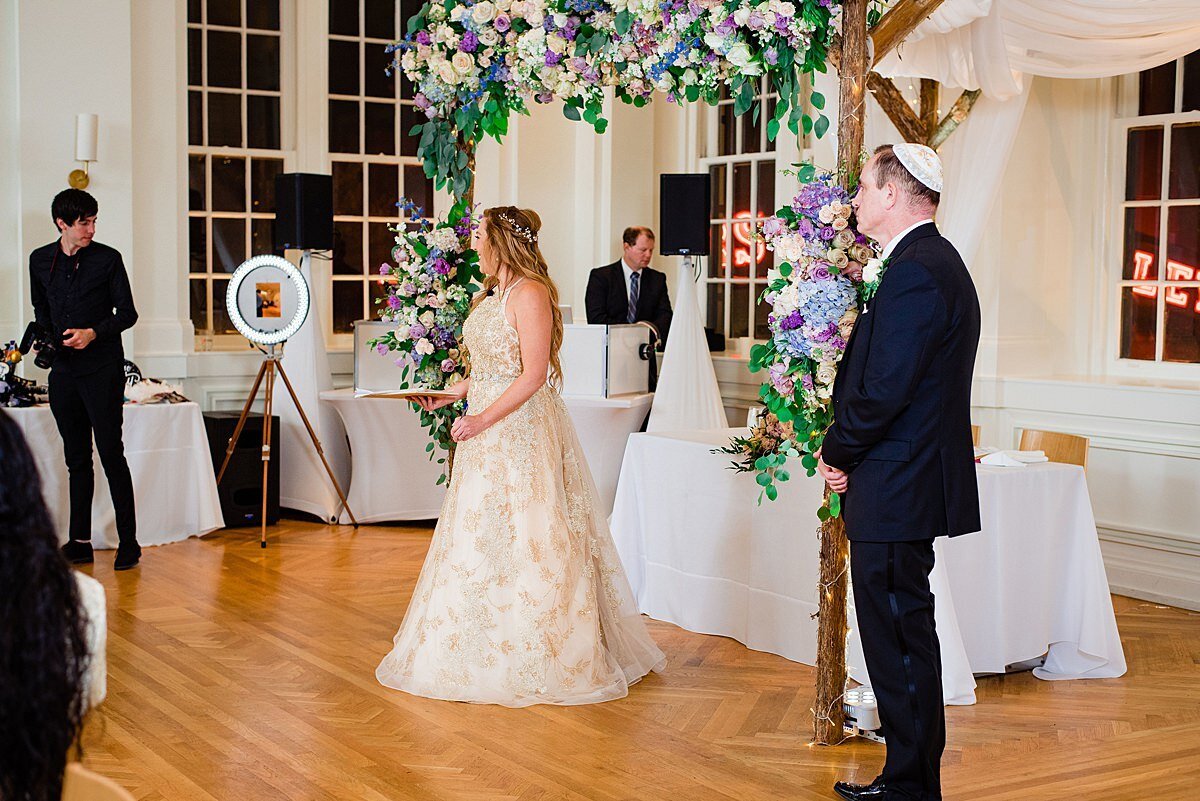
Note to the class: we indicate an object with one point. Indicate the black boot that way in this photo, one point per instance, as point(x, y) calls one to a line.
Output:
point(875, 791)
point(78, 552)
point(127, 556)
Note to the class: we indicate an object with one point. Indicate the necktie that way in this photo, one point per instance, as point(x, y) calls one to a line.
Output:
point(633, 296)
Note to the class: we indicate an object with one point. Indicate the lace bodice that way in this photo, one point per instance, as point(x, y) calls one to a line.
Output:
point(492, 341)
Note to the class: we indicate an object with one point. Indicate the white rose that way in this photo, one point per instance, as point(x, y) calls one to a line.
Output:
point(824, 392)
point(427, 319)
point(489, 37)
point(503, 5)
point(447, 73)
point(825, 215)
point(519, 8)
point(437, 12)
point(715, 41)
point(826, 372)
point(463, 64)
point(872, 270)
point(557, 44)
point(456, 13)
point(535, 18)
point(839, 223)
point(483, 12)
point(560, 20)
point(402, 332)
point(690, 77)
point(424, 347)
point(846, 324)
point(741, 15)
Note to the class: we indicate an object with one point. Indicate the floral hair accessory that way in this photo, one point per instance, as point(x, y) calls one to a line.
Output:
point(522, 231)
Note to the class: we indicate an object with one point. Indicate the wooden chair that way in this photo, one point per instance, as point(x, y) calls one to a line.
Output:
point(81, 784)
point(975, 436)
point(1062, 448)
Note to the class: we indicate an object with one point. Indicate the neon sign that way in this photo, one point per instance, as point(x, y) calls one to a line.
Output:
point(1176, 271)
point(743, 241)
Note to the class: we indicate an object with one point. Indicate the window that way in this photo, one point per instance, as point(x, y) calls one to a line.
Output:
point(372, 153)
point(741, 167)
point(1159, 281)
point(234, 145)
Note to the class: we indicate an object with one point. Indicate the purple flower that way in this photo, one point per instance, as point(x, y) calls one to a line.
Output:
point(448, 366)
point(441, 266)
point(469, 43)
point(385, 269)
point(417, 331)
point(821, 273)
point(792, 321)
point(552, 58)
point(423, 38)
point(771, 56)
point(393, 302)
point(807, 381)
point(828, 233)
point(421, 101)
point(756, 21)
point(502, 23)
point(381, 348)
point(838, 343)
point(773, 226)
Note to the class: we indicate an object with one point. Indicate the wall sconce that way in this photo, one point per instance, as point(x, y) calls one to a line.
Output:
point(87, 128)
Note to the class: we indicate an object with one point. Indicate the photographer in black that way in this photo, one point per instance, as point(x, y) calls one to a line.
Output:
point(82, 300)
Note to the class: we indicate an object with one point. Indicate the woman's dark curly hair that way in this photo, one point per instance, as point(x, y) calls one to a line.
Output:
point(43, 645)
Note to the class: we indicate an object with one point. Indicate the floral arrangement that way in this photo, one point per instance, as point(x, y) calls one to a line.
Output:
point(814, 295)
point(429, 290)
point(474, 62)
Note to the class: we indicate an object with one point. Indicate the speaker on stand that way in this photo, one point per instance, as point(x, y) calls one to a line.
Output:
point(303, 211)
point(684, 202)
point(240, 490)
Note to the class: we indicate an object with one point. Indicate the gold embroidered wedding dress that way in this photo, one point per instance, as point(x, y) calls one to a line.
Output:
point(522, 598)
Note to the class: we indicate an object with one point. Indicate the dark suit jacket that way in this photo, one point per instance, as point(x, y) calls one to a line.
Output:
point(608, 301)
point(902, 400)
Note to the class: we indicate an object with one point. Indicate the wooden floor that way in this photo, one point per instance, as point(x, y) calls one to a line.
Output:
point(238, 673)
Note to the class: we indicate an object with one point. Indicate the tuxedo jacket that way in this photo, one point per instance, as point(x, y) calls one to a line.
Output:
point(607, 300)
point(902, 400)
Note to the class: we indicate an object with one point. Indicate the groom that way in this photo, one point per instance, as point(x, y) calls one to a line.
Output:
point(900, 451)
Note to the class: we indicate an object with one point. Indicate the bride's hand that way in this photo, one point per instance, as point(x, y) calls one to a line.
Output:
point(466, 427)
point(430, 402)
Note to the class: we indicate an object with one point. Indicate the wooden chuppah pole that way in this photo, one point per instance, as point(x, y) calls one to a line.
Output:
point(828, 717)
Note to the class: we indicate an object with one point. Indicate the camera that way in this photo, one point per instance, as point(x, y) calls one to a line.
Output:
point(38, 338)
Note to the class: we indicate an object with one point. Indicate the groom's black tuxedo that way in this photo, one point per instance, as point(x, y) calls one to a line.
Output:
point(902, 431)
point(902, 400)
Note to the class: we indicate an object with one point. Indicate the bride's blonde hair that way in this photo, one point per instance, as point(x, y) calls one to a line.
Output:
point(513, 236)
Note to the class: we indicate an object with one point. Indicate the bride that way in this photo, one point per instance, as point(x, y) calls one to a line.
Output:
point(522, 599)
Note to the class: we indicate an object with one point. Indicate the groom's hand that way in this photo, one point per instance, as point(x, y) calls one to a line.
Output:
point(836, 479)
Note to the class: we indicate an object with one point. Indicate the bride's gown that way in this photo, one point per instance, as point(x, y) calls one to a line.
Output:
point(522, 598)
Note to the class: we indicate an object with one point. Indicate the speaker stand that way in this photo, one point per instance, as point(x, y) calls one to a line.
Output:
point(272, 364)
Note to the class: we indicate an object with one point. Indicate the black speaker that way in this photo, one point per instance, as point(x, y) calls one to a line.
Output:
point(683, 201)
point(303, 211)
point(240, 489)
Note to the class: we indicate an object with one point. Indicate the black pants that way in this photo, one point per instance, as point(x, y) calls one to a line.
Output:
point(83, 406)
point(900, 644)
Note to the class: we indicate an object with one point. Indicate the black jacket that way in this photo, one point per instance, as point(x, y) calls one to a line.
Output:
point(87, 290)
point(607, 300)
point(902, 400)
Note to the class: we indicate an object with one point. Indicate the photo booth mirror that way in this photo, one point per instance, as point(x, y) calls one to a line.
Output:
point(267, 300)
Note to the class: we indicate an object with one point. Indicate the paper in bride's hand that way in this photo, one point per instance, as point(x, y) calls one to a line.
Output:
point(409, 394)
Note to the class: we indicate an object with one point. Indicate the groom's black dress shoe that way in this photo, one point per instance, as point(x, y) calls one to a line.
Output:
point(875, 791)
point(127, 556)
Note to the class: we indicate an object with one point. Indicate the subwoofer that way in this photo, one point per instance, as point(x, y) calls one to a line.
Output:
point(683, 200)
point(303, 211)
point(240, 490)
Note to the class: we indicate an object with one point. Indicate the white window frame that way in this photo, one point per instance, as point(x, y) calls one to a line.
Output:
point(1126, 118)
point(786, 151)
point(207, 339)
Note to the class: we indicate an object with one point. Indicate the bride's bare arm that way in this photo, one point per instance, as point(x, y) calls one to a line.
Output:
point(530, 304)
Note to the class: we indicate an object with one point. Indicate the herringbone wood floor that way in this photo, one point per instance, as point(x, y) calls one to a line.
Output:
point(237, 673)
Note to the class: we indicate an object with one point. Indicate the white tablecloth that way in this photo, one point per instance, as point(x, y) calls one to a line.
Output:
point(391, 477)
point(174, 488)
point(701, 553)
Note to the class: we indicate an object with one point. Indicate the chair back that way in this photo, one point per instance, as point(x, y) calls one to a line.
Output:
point(1062, 448)
point(975, 436)
point(81, 784)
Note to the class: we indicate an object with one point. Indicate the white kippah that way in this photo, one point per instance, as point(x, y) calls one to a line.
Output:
point(922, 162)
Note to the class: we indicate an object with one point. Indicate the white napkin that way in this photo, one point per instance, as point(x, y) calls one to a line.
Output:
point(1013, 458)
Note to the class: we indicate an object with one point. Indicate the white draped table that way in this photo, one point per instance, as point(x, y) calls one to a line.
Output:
point(392, 477)
point(700, 552)
point(174, 488)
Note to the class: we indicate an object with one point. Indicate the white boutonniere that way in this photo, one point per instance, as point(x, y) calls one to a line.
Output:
point(872, 275)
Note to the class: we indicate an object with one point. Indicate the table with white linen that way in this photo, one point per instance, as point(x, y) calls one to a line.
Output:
point(701, 552)
point(174, 489)
point(392, 478)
